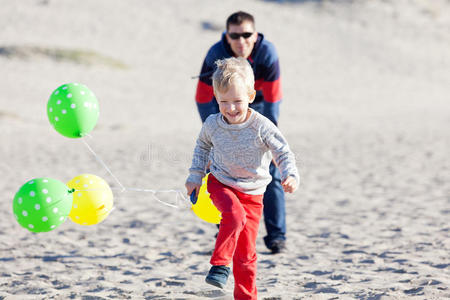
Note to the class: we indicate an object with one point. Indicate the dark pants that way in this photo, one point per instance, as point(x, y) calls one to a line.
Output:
point(274, 209)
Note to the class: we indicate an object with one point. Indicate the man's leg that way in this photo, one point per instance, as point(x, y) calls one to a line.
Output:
point(274, 209)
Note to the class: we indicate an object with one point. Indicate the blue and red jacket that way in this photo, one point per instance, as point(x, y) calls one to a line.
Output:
point(266, 68)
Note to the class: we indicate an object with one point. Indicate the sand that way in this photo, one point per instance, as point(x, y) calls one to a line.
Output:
point(366, 110)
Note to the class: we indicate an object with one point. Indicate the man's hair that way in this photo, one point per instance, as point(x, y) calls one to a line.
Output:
point(231, 71)
point(240, 17)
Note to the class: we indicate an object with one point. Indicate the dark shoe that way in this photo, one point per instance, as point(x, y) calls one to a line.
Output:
point(278, 246)
point(218, 276)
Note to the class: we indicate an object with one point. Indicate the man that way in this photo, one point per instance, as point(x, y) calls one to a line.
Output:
point(241, 40)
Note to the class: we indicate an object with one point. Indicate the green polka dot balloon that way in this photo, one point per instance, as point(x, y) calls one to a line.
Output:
point(73, 110)
point(42, 204)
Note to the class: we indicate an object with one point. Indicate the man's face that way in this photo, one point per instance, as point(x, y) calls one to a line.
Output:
point(241, 46)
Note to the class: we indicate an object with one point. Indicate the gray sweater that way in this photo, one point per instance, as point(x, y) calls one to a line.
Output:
point(240, 154)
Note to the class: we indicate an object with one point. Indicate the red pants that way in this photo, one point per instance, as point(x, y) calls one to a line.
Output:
point(236, 240)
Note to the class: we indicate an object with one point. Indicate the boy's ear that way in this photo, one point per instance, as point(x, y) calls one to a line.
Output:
point(252, 96)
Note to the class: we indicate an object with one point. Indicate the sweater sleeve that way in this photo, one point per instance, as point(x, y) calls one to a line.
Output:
point(282, 154)
point(201, 156)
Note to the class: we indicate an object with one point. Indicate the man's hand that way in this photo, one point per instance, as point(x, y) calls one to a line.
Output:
point(289, 184)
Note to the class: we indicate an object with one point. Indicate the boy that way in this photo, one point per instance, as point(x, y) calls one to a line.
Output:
point(239, 142)
point(241, 39)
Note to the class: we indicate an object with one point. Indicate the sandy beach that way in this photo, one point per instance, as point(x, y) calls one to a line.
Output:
point(366, 110)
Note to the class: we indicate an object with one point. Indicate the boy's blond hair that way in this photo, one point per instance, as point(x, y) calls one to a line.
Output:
point(229, 71)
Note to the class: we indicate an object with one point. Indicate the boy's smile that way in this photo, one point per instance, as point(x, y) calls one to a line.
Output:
point(233, 104)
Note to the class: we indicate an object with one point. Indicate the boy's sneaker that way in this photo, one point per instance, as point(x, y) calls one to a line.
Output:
point(278, 246)
point(218, 276)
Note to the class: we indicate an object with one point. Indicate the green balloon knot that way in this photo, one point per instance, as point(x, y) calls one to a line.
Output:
point(71, 191)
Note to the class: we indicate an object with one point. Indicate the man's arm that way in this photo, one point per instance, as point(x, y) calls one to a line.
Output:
point(268, 80)
point(204, 96)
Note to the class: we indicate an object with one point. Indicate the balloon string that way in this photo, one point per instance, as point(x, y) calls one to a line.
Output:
point(178, 193)
point(103, 164)
point(86, 134)
point(123, 189)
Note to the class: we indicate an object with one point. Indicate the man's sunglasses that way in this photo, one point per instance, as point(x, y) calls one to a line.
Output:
point(236, 36)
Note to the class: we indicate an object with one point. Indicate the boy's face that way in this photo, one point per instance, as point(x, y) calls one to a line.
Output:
point(241, 46)
point(233, 104)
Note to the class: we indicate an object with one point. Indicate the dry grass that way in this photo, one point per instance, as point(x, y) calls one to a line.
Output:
point(76, 56)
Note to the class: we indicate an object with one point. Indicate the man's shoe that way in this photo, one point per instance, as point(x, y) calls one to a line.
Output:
point(278, 246)
point(218, 276)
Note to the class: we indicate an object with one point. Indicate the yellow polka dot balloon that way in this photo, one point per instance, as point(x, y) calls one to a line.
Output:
point(92, 199)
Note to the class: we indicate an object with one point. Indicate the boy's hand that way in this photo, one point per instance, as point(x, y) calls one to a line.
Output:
point(289, 184)
point(190, 187)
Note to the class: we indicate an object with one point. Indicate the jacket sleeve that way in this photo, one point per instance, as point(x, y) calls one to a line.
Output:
point(268, 81)
point(204, 96)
